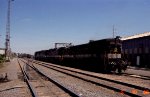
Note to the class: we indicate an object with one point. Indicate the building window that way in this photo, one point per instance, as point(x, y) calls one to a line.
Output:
point(126, 51)
point(146, 50)
point(130, 51)
point(135, 50)
point(140, 50)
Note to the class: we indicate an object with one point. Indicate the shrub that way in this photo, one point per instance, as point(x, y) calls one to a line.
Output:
point(2, 58)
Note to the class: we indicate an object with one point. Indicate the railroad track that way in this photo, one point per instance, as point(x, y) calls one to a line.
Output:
point(89, 78)
point(123, 74)
point(26, 78)
point(61, 86)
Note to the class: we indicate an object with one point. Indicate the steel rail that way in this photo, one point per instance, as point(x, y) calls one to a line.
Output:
point(99, 84)
point(34, 94)
point(106, 79)
point(67, 90)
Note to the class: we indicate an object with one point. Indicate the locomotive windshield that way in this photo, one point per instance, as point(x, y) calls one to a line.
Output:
point(114, 49)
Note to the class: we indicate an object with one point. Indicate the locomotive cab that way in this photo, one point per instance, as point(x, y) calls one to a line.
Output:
point(114, 56)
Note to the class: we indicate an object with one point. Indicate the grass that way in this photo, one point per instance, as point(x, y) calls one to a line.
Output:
point(2, 59)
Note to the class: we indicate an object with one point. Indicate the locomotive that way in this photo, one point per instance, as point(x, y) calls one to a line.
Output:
point(100, 55)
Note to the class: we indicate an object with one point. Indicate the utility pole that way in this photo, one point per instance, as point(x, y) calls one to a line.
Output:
point(7, 42)
point(113, 31)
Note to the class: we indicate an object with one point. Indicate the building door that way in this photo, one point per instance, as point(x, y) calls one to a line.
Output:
point(138, 60)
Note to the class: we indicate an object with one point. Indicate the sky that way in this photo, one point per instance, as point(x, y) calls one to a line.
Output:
point(38, 24)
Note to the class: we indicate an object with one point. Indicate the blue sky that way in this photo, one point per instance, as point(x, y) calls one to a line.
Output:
point(38, 24)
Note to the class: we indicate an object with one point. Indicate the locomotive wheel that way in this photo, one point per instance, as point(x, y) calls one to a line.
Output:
point(119, 70)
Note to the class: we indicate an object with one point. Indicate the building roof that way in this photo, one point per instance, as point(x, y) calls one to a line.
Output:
point(2, 48)
point(136, 36)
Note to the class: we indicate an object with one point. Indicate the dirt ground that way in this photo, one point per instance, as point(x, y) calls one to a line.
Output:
point(13, 85)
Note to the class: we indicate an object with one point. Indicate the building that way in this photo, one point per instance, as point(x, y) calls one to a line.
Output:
point(136, 48)
point(2, 51)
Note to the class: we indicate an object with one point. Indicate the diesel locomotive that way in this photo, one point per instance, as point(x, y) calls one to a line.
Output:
point(100, 55)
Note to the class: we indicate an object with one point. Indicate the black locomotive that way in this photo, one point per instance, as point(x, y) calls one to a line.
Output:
point(101, 55)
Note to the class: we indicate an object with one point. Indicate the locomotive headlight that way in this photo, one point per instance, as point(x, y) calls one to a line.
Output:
point(114, 56)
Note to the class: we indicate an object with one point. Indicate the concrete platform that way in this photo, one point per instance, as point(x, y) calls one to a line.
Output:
point(138, 71)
